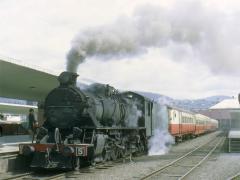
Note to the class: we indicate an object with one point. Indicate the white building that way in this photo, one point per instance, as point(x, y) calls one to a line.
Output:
point(227, 112)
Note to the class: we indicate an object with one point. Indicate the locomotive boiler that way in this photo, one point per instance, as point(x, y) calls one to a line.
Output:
point(88, 125)
point(67, 106)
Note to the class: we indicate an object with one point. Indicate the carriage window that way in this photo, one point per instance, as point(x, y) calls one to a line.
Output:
point(149, 109)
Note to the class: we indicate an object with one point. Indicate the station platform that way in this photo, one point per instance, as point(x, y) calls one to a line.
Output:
point(234, 140)
point(10, 143)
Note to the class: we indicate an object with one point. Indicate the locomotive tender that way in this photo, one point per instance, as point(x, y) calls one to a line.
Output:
point(98, 124)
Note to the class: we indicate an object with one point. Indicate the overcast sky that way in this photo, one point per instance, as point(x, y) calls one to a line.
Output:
point(183, 49)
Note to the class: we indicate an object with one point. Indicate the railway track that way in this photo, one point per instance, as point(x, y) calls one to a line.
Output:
point(182, 167)
point(200, 153)
point(63, 175)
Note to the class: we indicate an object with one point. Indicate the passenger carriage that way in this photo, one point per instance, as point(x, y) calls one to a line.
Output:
point(181, 123)
point(184, 124)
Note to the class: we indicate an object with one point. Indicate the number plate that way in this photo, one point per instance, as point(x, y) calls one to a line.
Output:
point(79, 151)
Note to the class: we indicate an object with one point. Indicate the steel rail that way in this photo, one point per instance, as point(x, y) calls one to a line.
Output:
point(99, 166)
point(18, 176)
point(200, 162)
point(61, 175)
point(234, 177)
point(173, 162)
point(33, 175)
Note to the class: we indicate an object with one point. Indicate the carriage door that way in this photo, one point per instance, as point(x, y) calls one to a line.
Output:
point(148, 118)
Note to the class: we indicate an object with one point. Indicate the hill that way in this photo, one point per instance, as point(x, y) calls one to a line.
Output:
point(188, 104)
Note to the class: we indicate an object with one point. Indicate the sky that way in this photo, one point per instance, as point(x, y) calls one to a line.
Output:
point(182, 49)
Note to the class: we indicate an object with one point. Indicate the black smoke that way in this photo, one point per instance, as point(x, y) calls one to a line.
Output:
point(191, 31)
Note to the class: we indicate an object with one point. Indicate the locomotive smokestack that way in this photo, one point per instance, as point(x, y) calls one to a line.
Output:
point(68, 78)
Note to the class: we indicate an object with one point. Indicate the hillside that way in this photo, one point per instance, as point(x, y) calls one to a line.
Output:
point(189, 104)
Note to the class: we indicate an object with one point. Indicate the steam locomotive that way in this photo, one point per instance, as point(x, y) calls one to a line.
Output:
point(98, 123)
point(86, 126)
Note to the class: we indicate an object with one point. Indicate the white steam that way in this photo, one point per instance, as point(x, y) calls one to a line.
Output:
point(161, 140)
point(189, 30)
point(160, 143)
point(133, 116)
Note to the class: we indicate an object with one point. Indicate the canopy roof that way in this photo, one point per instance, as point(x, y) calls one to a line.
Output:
point(21, 82)
point(227, 104)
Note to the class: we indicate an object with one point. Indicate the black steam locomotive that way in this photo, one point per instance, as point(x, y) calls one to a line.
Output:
point(93, 124)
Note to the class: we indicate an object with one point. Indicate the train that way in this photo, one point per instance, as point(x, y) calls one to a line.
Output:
point(84, 126)
point(185, 124)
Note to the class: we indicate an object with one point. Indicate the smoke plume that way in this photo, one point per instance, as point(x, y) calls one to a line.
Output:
point(188, 30)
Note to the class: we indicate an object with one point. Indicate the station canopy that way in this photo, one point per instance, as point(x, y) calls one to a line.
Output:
point(7, 108)
point(22, 82)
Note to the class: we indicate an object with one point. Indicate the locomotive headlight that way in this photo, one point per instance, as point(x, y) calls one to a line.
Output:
point(27, 150)
point(68, 151)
